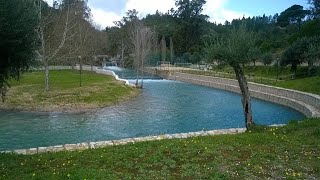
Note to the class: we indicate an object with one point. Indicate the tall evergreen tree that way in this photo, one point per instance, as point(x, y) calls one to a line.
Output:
point(18, 39)
point(191, 19)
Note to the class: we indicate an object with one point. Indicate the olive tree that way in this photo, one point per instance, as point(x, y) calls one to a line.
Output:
point(267, 60)
point(305, 49)
point(254, 54)
point(233, 49)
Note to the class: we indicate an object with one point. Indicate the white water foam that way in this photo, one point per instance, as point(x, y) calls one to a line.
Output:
point(113, 68)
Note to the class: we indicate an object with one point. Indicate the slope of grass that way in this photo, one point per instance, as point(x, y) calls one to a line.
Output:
point(257, 71)
point(308, 84)
point(311, 84)
point(291, 152)
point(65, 92)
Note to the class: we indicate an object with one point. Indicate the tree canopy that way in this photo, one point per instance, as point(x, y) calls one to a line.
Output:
point(18, 39)
point(293, 15)
point(233, 50)
point(315, 8)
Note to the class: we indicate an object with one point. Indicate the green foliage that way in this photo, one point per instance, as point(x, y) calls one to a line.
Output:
point(310, 28)
point(267, 59)
point(190, 29)
point(294, 54)
point(290, 152)
point(192, 23)
point(303, 50)
point(232, 49)
point(18, 39)
point(254, 54)
point(293, 15)
point(315, 8)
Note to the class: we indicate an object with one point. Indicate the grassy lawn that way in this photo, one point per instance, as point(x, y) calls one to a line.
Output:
point(65, 92)
point(269, 72)
point(308, 84)
point(311, 84)
point(291, 152)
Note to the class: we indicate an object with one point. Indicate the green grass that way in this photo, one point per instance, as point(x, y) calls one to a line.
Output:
point(291, 152)
point(311, 84)
point(307, 84)
point(65, 92)
point(266, 72)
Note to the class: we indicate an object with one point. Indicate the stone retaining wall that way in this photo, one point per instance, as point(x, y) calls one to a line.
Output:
point(306, 103)
point(102, 144)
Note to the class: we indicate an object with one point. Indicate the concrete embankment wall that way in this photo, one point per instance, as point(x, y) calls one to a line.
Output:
point(306, 103)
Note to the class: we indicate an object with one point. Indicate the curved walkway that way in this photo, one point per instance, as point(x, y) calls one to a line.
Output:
point(306, 103)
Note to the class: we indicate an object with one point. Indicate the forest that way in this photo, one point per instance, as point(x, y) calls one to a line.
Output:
point(182, 34)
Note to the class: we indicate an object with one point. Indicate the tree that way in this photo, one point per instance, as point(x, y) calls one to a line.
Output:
point(254, 54)
point(312, 53)
point(163, 50)
point(18, 39)
point(54, 30)
point(65, 33)
point(267, 60)
point(310, 28)
point(146, 42)
point(233, 49)
point(192, 22)
point(141, 37)
point(294, 54)
point(171, 51)
point(293, 15)
point(305, 49)
point(315, 8)
point(136, 41)
point(120, 37)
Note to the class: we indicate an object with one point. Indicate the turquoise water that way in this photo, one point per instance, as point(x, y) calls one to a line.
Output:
point(163, 107)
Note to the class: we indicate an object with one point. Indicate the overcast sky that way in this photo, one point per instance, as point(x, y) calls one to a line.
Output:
point(105, 12)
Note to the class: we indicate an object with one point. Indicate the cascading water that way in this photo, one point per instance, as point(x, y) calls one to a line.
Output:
point(130, 74)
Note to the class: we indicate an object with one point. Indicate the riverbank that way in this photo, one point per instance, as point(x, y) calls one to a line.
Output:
point(290, 152)
point(66, 95)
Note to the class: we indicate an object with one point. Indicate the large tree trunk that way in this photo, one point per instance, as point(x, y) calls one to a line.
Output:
point(246, 99)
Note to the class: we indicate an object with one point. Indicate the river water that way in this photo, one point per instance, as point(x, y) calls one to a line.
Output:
point(163, 107)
